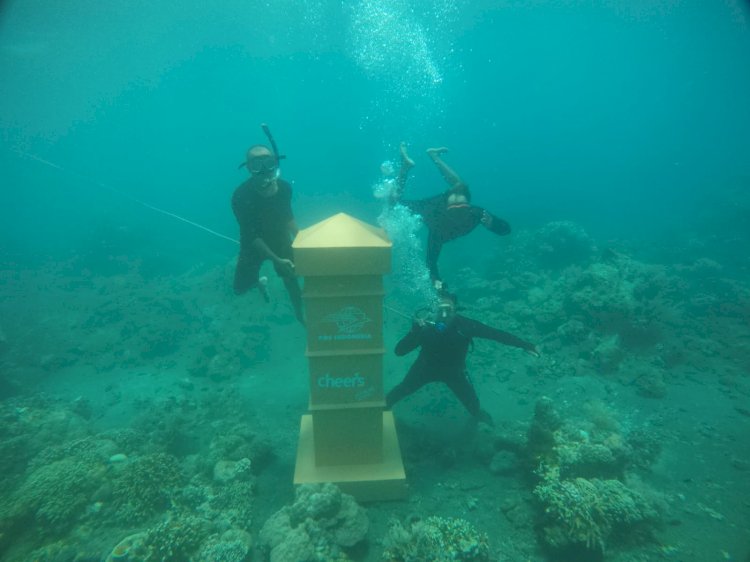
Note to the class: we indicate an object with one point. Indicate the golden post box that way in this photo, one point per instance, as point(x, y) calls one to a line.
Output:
point(347, 438)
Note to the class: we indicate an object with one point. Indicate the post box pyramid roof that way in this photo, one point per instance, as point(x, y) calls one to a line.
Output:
point(341, 231)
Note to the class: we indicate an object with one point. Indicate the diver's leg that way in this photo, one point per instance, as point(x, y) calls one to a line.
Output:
point(246, 273)
point(464, 391)
point(295, 295)
point(433, 253)
point(413, 381)
point(403, 172)
point(446, 171)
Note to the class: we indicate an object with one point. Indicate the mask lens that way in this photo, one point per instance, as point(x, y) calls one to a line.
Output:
point(262, 164)
point(443, 311)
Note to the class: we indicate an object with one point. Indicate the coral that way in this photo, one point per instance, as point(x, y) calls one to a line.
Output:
point(563, 243)
point(586, 448)
point(436, 539)
point(224, 355)
point(235, 501)
point(608, 354)
point(143, 487)
point(337, 513)
point(649, 383)
point(232, 546)
point(235, 442)
point(541, 434)
point(588, 513)
point(320, 523)
point(176, 538)
point(89, 450)
point(503, 463)
point(58, 551)
point(581, 466)
point(55, 495)
point(645, 447)
point(228, 471)
point(131, 547)
point(169, 424)
point(31, 425)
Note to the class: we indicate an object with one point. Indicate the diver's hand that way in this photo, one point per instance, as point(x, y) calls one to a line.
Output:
point(418, 322)
point(285, 266)
point(486, 219)
point(263, 288)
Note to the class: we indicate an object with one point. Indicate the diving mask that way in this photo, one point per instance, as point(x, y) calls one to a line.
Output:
point(263, 165)
point(443, 315)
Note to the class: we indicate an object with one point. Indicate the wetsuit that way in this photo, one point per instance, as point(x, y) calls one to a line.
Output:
point(446, 223)
point(261, 217)
point(442, 358)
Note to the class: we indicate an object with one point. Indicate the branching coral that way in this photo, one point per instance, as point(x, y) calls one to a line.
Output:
point(144, 487)
point(55, 495)
point(588, 512)
point(176, 538)
point(436, 539)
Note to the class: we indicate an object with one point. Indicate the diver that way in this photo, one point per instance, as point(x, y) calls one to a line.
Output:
point(263, 208)
point(447, 216)
point(445, 340)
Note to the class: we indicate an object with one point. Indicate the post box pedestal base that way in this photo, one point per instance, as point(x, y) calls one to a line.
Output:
point(385, 480)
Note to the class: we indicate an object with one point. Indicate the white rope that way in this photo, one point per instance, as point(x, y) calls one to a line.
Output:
point(126, 196)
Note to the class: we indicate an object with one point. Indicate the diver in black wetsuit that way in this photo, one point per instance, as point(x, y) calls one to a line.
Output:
point(449, 215)
point(263, 208)
point(444, 344)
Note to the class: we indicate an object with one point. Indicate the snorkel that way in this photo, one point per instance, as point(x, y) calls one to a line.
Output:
point(274, 149)
point(269, 136)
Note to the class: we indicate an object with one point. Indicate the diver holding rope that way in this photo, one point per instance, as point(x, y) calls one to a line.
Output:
point(263, 207)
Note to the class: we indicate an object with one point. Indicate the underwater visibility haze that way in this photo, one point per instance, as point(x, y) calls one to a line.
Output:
point(149, 413)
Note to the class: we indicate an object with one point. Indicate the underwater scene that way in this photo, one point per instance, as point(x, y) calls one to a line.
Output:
point(375, 280)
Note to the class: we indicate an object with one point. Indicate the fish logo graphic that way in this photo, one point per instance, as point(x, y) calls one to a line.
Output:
point(348, 320)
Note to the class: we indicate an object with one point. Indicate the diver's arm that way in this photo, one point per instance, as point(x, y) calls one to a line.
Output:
point(476, 329)
point(285, 265)
point(409, 342)
point(494, 224)
point(244, 217)
point(292, 227)
point(262, 248)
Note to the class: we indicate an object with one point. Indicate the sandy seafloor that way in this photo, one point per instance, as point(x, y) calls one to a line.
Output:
point(649, 341)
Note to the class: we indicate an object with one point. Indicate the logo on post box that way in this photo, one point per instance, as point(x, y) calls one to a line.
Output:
point(350, 322)
point(354, 381)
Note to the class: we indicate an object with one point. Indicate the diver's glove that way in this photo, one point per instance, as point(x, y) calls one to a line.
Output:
point(532, 350)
